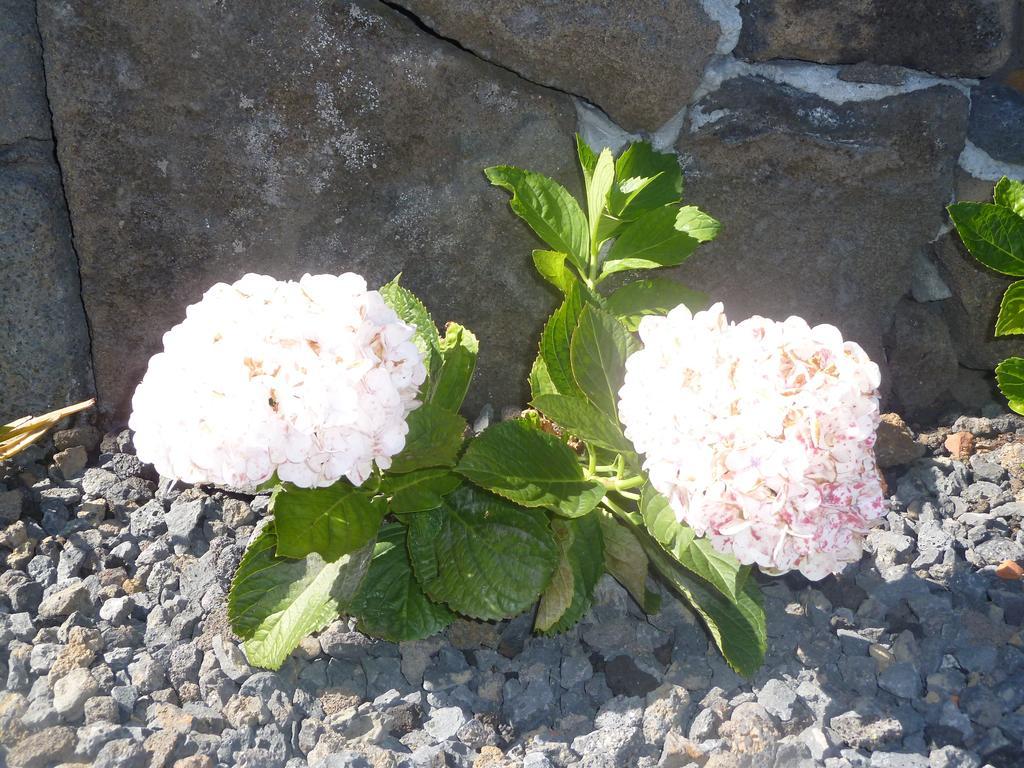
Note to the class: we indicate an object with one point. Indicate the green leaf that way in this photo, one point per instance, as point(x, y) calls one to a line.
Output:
point(1009, 193)
point(548, 208)
point(626, 560)
point(540, 379)
point(551, 266)
point(694, 553)
point(531, 468)
point(418, 491)
point(391, 604)
point(555, 340)
point(598, 187)
point(1010, 378)
point(269, 484)
point(557, 598)
point(330, 521)
point(434, 439)
point(994, 235)
point(639, 162)
point(1011, 311)
point(274, 601)
point(484, 557)
point(697, 224)
point(649, 242)
point(458, 351)
point(624, 193)
point(580, 565)
point(411, 310)
point(655, 296)
point(587, 157)
point(582, 419)
point(424, 529)
point(598, 354)
point(609, 228)
point(738, 628)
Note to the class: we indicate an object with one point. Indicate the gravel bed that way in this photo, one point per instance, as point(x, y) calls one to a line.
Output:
point(115, 648)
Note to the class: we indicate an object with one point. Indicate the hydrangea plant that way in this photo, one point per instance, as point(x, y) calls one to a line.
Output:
point(742, 444)
point(659, 440)
point(345, 402)
point(994, 235)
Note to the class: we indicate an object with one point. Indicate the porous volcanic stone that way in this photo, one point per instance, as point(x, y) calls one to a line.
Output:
point(639, 61)
point(43, 333)
point(997, 113)
point(285, 138)
point(23, 111)
point(823, 205)
point(958, 38)
point(895, 444)
point(922, 361)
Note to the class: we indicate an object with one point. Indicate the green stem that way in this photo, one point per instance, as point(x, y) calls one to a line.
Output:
point(631, 519)
point(614, 484)
point(592, 461)
point(592, 280)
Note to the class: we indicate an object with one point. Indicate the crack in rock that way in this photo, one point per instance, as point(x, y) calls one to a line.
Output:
point(424, 27)
point(90, 384)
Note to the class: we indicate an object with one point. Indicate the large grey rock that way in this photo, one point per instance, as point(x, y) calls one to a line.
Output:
point(43, 334)
point(823, 205)
point(23, 110)
point(640, 61)
point(315, 136)
point(959, 38)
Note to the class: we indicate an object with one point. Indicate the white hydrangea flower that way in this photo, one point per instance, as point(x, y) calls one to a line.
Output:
point(312, 379)
point(760, 434)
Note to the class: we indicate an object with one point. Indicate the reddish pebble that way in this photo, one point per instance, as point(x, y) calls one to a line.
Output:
point(960, 445)
point(1009, 570)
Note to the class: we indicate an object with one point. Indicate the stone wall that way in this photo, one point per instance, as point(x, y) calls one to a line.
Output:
point(220, 138)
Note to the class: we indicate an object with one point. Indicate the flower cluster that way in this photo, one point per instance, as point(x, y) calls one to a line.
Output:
point(312, 379)
point(760, 434)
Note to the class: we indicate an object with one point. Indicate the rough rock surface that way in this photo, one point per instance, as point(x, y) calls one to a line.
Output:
point(922, 360)
point(895, 444)
point(997, 113)
point(957, 38)
point(313, 136)
point(43, 335)
point(823, 205)
point(624, 57)
point(912, 657)
point(23, 110)
point(283, 138)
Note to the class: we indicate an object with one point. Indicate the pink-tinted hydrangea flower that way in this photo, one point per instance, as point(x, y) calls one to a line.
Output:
point(312, 379)
point(760, 434)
